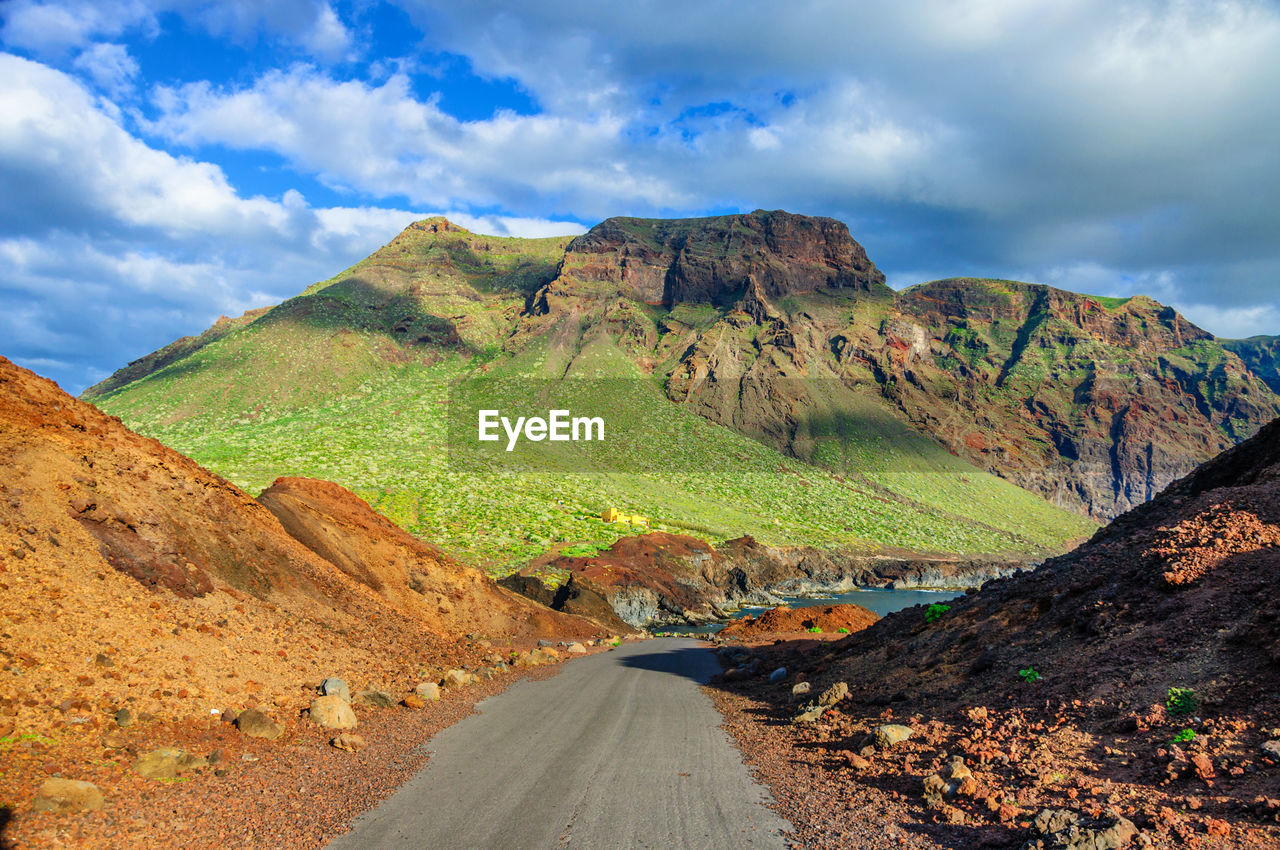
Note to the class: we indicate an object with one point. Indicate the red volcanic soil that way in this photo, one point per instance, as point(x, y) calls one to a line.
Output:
point(830, 619)
point(132, 578)
point(1133, 678)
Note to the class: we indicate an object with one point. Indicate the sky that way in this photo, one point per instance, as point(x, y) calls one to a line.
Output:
point(164, 162)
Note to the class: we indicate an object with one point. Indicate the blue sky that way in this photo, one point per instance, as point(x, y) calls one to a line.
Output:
point(163, 162)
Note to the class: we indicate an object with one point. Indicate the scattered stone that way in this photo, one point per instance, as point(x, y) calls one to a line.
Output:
point(427, 691)
point(167, 763)
point(576, 649)
point(102, 660)
point(456, 679)
point(348, 741)
point(1272, 749)
point(378, 699)
point(810, 714)
point(114, 740)
point(834, 694)
point(332, 712)
point(856, 761)
point(777, 675)
point(229, 715)
point(413, 701)
point(1063, 829)
point(800, 688)
point(333, 686)
point(1203, 766)
point(890, 734)
point(542, 644)
point(63, 796)
point(257, 724)
point(124, 717)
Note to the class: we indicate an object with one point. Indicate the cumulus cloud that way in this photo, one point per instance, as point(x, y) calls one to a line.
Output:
point(110, 67)
point(112, 248)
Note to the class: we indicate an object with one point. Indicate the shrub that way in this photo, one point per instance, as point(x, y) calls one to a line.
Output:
point(1029, 674)
point(1183, 736)
point(842, 630)
point(815, 629)
point(1181, 701)
point(935, 611)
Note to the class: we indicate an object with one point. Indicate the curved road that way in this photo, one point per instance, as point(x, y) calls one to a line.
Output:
point(619, 750)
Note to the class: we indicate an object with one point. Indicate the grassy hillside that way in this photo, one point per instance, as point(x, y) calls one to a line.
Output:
point(371, 379)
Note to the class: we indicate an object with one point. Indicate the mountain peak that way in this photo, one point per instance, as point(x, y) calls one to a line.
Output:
point(717, 258)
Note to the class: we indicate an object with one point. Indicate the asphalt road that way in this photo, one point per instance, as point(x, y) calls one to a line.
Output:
point(619, 750)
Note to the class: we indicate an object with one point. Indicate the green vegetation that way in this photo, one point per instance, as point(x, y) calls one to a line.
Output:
point(1029, 674)
point(371, 379)
point(581, 550)
point(842, 630)
point(935, 611)
point(1181, 701)
point(1183, 737)
point(817, 630)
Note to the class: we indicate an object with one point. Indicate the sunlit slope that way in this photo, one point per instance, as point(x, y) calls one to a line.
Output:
point(372, 379)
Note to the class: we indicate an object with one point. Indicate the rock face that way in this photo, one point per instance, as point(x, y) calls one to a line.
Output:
point(572, 597)
point(410, 574)
point(1262, 355)
point(716, 260)
point(1094, 403)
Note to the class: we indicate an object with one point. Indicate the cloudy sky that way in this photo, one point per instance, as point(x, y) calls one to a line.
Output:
point(166, 161)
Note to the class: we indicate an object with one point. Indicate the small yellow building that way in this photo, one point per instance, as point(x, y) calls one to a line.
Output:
point(636, 519)
point(610, 515)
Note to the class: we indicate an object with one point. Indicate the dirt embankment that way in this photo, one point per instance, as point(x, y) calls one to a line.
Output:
point(135, 584)
point(1121, 692)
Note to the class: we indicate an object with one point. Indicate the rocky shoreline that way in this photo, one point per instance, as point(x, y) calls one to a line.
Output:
point(661, 579)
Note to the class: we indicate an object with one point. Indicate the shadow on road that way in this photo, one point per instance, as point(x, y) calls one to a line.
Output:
point(690, 662)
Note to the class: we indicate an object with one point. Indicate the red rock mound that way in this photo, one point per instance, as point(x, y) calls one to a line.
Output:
point(132, 577)
point(1135, 675)
point(830, 619)
point(409, 573)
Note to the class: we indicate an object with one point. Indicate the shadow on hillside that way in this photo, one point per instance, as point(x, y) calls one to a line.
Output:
point(6, 815)
point(355, 304)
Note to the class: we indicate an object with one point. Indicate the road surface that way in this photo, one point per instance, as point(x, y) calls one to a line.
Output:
point(619, 750)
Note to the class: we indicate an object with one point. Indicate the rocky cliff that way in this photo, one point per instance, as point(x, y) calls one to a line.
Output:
point(780, 327)
point(1262, 355)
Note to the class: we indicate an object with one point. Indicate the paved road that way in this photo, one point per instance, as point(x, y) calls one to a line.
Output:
point(619, 750)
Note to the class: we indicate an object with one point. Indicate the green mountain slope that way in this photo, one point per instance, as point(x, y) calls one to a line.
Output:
point(372, 378)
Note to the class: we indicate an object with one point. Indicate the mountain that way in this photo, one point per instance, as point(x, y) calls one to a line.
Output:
point(1261, 354)
point(372, 379)
point(778, 326)
point(131, 577)
point(1127, 682)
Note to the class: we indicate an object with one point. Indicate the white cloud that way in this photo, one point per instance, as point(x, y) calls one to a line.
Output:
point(113, 248)
point(109, 66)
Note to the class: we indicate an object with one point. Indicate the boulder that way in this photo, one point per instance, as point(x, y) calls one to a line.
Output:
point(810, 714)
point(800, 688)
point(257, 724)
point(124, 717)
point(777, 675)
point(427, 691)
point(834, 694)
point(576, 648)
point(1063, 829)
point(456, 679)
point(336, 687)
point(62, 796)
point(332, 712)
point(414, 701)
point(167, 763)
point(890, 734)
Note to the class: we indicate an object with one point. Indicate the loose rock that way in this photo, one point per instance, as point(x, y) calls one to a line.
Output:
point(427, 691)
point(333, 686)
point(349, 741)
point(257, 724)
point(890, 734)
point(62, 796)
point(167, 763)
point(777, 675)
point(378, 699)
point(332, 712)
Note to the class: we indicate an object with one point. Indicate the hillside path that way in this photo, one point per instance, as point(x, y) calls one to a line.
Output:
point(620, 750)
